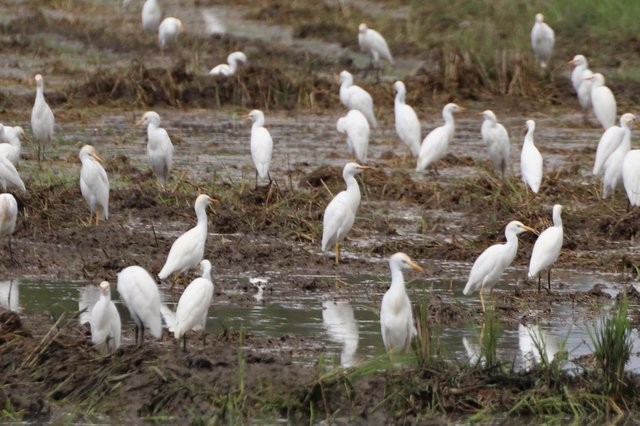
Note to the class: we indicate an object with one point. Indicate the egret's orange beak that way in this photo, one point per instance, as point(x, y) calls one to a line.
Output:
point(245, 117)
point(363, 167)
point(526, 228)
point(139, 122)
point(214, 200)
point(415, 266)
point(571, 62)
point(94, 155)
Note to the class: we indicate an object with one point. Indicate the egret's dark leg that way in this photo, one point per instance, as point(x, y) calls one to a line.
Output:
point(136, 332)
point(141, 334)
point(549, 279)
point(539, 273)
point(184, 342)
point(204, 338)
point(337, 253)
point(256, 179)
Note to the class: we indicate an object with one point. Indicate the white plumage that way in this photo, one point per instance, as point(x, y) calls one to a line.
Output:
point(396, 316)
point(261, 145)
point(94, 183)
point(496, 139)
point(542, 40)
point(584, 91)
point(602, 101)
point(11, 146)
point(547, 248)
point(140, 294)
point(612, 166)
point(490, 265)
point(42, 120)
point(356, 126)
point(159, 146)
point(407, 123)
point(580, 65)
point(231, 66)
point(188, 250)
point(168, 31)
point(435, 144)
point(371, 41)
point(8, 218)
point(341, 211)
point(355, 97)
point(610, 140)
point(151, 15)
point(105, 322)
point(531, 160)
point(9, 176)
point(631, 176)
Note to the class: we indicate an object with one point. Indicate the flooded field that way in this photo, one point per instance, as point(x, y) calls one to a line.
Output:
point(308, 348)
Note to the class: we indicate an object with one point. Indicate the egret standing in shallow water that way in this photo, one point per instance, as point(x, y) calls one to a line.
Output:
point(490, 265)
point(396, 316)
point(151, 15)
point(435, 145)
point(372, 42)
point(341, 211)
point(193, 306)
point(531, 160)
point(94, 184)
point(105, 322)
point(168, 31)
point(230, 68)
point(542, 40)
point(547, 248)
point(407, 123)
point(140, 294)
point(496, 138)
point(355, 97)
point(8, 218)
point(602, 101)
point(356, 126)
point(42, 120)
point(159, 146)
point(261, 145)
point(188, 250)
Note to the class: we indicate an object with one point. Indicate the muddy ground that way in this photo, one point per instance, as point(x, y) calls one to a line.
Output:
point(51, 372)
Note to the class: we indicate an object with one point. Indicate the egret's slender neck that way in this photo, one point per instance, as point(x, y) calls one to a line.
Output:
point(40, 89)
point(512, 241)
point(557, 219)
point(400, 97)
point(201, 214)
point(258, 123)
point(206, 273)
point(528, 138)
point(626, 138)
point(397, 278)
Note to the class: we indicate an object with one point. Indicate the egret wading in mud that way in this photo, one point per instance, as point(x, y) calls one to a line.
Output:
point(42, 120)
point(372, 42)
point(94, 184)
point(188, 250)
point(105, 322)
point(611, 140)
point(396, 316)
point(547, 248)
point(341, 211)
point(489, 266)
point(531, 160)
point(356, 126)
point(355, 97)
point(230, 68)
point(612, 178)
point(159, 146)
point(168, 31)
point(11, 146)
point(436, 143)
point(140, 294)
point(8, 218)
point(261, 145)
point(193, 307)
point(603, 102)
point(542, 40)
point(496, 139)
point(407, 123)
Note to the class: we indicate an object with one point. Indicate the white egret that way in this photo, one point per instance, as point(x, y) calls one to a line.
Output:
point(9, 176)
point(10, 295)
point(547, 248)
point(94, 184)
point(193, 306)
point(396, 316)
point(355, 97)
point(11, 146)
point(105, 322)
point(341, 211)
point(188, 250)
point(496, 138)
point(230, 68)
point(8, 218)
point(356, 126)
point(542, 40)
point(342, 328)
point(435, 144)
point(151, 15)
point(42, 120)
point(603, 102)
point(612, 167)
point(580, 65)
point(610, 140)
point(261, 145)
point(631, 176)
point(584, 93)
point(371, 41)
point(490, 265)
point(407, 123)
point(168, 31)
point(140, 294)
point(531, 160)
point(159, 146)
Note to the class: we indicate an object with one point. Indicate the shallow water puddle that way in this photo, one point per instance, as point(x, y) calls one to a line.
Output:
point(345, 326)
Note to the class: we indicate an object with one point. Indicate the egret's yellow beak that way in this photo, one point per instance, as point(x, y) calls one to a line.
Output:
point(415, 266)
point(526, 228)
point(94, 155)
point(588, 78)
point(461, 108)
point(24, 138)
point(245, 117)
point(214, 200)
point(571, 62)
point(139, 122)
point(362, 167)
